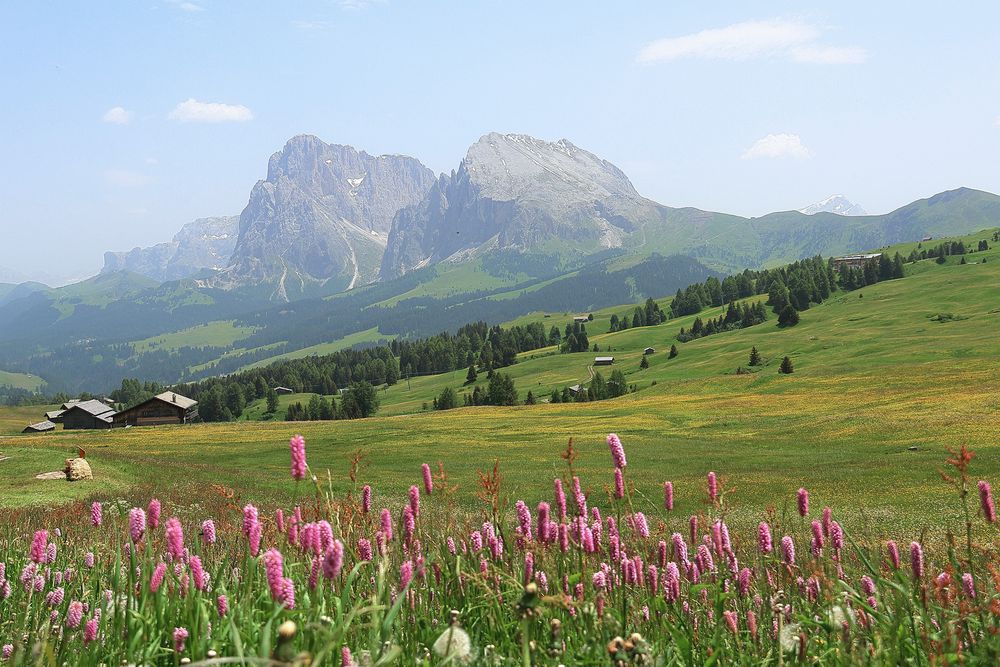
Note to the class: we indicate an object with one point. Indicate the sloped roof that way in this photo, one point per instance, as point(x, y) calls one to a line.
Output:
point(95, 408)
point(40, 426)
point(174, 398)
point(54, 414)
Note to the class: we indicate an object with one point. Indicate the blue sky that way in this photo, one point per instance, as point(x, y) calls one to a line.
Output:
point(121, 121)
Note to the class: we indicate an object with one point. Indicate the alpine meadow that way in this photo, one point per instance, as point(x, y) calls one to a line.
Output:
point(474, 397)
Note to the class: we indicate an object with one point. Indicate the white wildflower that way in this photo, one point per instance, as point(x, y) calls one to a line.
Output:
point(789, 637)
point(454, 643)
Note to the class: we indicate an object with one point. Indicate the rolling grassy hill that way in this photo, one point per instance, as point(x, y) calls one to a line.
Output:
point(886, 378)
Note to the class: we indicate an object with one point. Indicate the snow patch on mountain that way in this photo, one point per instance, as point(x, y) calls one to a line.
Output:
point(838, 204)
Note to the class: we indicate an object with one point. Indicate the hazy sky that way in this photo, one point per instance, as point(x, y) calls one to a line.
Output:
point(121, 121)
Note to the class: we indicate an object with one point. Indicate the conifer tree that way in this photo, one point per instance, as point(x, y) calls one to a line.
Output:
point(786, 366)
point(673, 352)
point(754, 356)
point(644, 363)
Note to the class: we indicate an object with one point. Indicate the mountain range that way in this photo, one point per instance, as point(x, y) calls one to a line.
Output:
point(838, 204)
point(335, 244)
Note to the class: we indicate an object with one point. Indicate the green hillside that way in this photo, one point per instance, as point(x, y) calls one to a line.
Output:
point(886, 378)
point(24, 381)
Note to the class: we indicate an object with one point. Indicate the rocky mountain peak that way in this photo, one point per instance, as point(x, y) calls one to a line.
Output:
point(322, 214)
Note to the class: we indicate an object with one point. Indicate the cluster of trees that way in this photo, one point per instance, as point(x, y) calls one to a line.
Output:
point(736, 317)
point(479, 344)
point(714, 292)
point(499, 391)
point(599, 389)
point(133, 392)
point(943, 250)
point(358, 401)
point(873, 271)
point(575, 338)
point(647, 315)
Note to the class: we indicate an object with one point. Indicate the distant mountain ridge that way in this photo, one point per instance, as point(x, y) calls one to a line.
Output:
point(206, 243)
point(838, 204)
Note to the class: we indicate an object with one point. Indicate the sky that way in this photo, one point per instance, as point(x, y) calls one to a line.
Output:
point(122, 121)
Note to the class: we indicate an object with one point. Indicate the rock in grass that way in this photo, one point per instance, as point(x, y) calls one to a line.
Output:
point(78, 469)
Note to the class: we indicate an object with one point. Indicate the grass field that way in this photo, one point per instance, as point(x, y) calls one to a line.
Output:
point(882, 386)
point(25, 381)
point(214, 334)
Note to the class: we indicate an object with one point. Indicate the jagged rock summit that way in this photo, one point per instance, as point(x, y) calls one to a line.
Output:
point(206, 243)
point(516, 193)
point(320, 219)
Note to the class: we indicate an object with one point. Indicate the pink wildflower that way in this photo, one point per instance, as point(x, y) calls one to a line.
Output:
point(74, 615)
point(180, 636)
point(274, 565)
point(208, 531)
point(409, 523)
point(893, 553)
point(764, 538)
point(297, 446)
point(617, 451)
point(279, 520)
point(428, 480)
point(197, 573)
point(154, 513)
point(88, 560)
point(787, 550)
point(136, 524)
point(256, 531)
point(288, 593)
point(560, 498)
point(250, 517)
point(157, 577)
point(175, 538)
point(803, 502)
point(523, 519)
point(529, 567)
point(917, 560)
point(386, 518)
point(668, 495)
point(986, 500)
point(96, 514)
point(713, 487)
point(731, 621)
point(405, 574)
point(222, 605)
point(364, 549)
point(366, 499)
point(90, 630)
point(345, 657)
point(415, 501)
point(969, 586)
point(836, 536)
point(640, 524)
point(38, 546)
point(333, 561)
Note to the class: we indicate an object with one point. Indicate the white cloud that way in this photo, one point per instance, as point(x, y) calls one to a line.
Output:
point(777, 145)
point(193, 111)
point(186, 6)
point(789, 39)
point(117, 115)
point(123, 178)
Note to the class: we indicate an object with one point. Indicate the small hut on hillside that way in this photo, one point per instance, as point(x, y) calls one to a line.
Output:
point(40, 427)
point(87, 415)
point(163, 409)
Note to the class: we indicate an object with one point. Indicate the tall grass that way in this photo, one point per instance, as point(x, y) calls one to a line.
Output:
point(608, 580)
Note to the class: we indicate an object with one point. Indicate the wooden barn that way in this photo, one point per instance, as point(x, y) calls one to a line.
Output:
point(648, 350)
point(283, 390)
point(166, 408)
point(54, 416)
point(603, 361)
point(87, 415)
point(40, 427)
